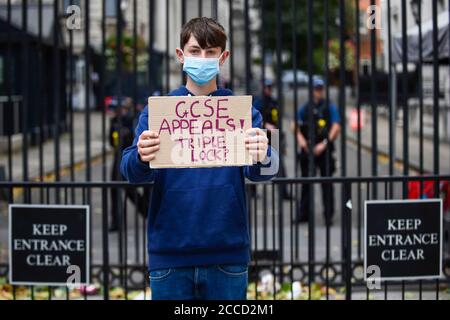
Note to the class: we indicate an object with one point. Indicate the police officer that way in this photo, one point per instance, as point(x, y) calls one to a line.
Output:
point(121, 136)
point(326, 128)
point(268, 107)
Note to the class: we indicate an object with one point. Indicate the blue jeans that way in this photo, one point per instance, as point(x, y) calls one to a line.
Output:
point(216, 282)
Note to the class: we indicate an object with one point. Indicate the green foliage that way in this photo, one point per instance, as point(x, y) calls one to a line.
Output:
point(301, 28)
point(334, 54)
point(128, 52)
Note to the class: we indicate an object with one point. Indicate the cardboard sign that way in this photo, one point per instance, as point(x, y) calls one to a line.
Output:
point(200, 131)
point(49, 245)
point(403, 239)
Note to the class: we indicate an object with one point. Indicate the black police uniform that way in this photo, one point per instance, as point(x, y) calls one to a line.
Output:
point(270, 115)
point(324, 162)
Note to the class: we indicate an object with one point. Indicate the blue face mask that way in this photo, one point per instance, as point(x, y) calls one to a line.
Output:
point(201, 70)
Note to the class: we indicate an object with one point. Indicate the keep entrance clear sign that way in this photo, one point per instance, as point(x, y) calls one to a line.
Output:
point(403, 239)
point(49, 244)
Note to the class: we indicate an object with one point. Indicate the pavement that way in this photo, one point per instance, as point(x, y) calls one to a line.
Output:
point(382, 143)
point(48, 164)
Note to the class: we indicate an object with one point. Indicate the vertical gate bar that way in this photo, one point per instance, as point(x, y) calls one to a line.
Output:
point(200, 8)
point(280, 125)
point(138, 204)
point(118, 202)
point(135, 54)
point(392, 115)
point(405, 107)
point(66, 202)
point(262, 33)
point(348, 256)
point(390, 94)
point(327, 102)
point(125, 245)
point(342, 101)
point(119, 57)
point(40, 72)
point(9, 104)
point(373, 102)
point(405, 94)
point(71, 113)
point(265, 217)
point(167, 54)
point(25, 57)
point(88, 116)
point(436, 91)
point(386, 197)
point(56, 95)
point(420, 93)
point(83, 200)
point(105, 238)
point(342, 108)
point(231, 41)
point(31, 286)
point(367, 198)
point(102, 90)
point(311, 138)
point(183, 22)
point(135, 102)
point(291, 238)
point(247, 48)
point(49, 290)
point(87, 75)
point(255, 227)
point(151, 37)
point(358, 132)
point(183, 12)
point(214, 9)
point(262, 36)
point(448, 107)
point(294, 67)
point(278, 256)
point(128, 192)
point(144, 250)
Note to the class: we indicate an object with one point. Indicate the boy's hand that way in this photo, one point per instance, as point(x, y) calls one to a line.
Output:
point(257, 143)
point(148, 145)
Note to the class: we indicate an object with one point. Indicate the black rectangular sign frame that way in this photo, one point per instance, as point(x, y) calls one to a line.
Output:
point(400, 278)
point(45, 206)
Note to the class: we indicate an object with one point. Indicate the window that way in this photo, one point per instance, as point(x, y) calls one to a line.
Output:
point(111, 8)
point(68, 3)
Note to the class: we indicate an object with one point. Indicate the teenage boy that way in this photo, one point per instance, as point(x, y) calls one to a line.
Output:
point(198, 237)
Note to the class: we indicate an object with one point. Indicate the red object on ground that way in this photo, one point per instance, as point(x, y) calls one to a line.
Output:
point(354, 125)
point(108, 100)
point(428, 191)
point(446, 190)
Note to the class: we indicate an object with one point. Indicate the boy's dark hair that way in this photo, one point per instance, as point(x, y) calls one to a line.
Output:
point(208, 32)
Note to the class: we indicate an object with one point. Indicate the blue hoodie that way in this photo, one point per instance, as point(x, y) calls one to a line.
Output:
point(197, 216)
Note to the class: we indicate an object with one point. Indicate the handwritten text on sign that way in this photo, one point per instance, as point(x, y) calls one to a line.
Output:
point(200, 131)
